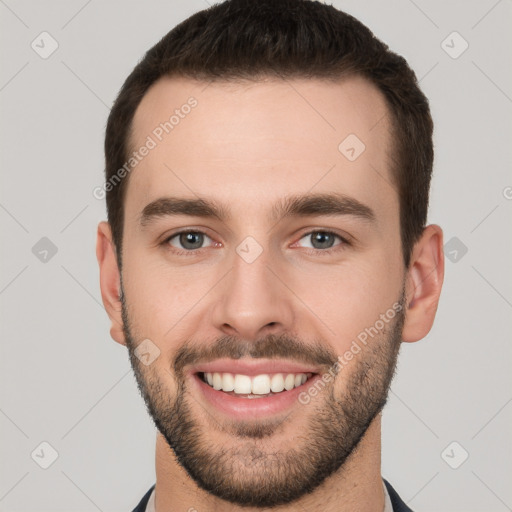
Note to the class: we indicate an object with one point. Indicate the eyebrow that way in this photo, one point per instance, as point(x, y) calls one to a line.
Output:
point(291, 206)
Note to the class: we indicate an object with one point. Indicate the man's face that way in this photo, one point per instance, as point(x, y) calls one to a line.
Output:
point(288, 300)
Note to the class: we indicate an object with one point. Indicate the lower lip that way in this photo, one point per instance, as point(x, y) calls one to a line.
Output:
point(251, 408)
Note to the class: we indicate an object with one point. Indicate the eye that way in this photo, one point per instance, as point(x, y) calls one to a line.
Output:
point(324, 241)
point(187, 240)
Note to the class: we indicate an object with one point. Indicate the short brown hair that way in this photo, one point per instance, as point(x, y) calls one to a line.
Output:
point(247, 39)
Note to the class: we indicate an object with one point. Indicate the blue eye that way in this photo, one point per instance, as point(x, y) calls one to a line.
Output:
point(322, 240)
point(188, 240)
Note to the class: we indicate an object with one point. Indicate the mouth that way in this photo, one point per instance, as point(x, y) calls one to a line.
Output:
point(251, 390)
point(258, 386)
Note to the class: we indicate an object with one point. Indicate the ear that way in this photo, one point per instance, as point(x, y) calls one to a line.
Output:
point(423, 284)
point(110, 282)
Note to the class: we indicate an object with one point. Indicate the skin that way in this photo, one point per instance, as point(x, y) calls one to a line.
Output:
point(248, 146)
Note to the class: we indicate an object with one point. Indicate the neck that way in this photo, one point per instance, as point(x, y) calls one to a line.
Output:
point(356, 487)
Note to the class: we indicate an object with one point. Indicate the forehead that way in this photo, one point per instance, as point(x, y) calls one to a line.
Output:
point(248, 144)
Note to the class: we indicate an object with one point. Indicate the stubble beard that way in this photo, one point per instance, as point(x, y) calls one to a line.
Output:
point(241, 470)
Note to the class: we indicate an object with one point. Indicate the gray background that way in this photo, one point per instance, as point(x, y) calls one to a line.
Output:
point(65, 382)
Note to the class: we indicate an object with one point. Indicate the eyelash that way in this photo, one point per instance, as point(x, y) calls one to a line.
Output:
point(193, 252)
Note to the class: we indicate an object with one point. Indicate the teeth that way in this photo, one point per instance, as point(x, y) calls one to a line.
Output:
point(277, 383)
point(228, 382)
point(259, 385)
point(242, 384)
point(217, 381)
point(289, 382)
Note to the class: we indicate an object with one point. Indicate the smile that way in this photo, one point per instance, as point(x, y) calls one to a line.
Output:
point(246, 386)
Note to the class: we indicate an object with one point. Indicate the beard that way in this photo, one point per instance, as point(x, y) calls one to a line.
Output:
point(248, 471)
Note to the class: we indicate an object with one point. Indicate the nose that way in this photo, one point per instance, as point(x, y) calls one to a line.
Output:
point(253, 300)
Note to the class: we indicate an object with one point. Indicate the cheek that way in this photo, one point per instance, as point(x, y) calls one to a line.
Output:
point(350, 298)
point(336, 301)
point(162, 299)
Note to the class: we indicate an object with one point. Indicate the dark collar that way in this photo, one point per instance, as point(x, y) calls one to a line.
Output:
point(396, 501)
point(141, 507)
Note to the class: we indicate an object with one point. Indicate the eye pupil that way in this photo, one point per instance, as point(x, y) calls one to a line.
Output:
point(194, 240)
point(191, 240)
point(325, 240)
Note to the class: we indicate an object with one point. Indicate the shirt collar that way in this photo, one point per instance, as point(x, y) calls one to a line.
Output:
point(388, 507)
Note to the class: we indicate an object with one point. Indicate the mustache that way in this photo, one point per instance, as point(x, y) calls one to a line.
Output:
point(283, 346)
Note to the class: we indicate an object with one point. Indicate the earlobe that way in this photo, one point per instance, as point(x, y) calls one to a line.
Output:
point(424, 282)
point(110, 282)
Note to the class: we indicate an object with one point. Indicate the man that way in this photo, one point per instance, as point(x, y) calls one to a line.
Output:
point(268, 168)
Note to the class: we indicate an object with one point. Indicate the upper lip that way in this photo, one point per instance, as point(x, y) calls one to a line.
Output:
point(253, 367)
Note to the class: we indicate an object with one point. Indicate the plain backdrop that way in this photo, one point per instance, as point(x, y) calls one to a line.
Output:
point(446, 442)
